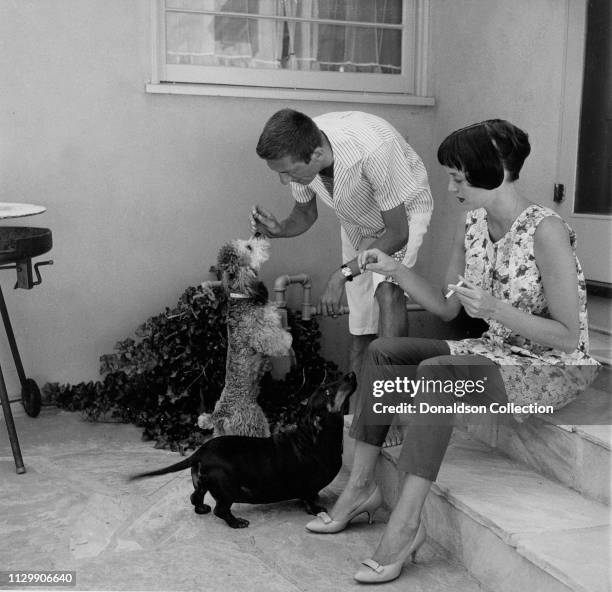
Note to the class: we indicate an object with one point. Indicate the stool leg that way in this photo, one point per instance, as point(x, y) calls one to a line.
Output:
point(10, 426)
point(11, 339)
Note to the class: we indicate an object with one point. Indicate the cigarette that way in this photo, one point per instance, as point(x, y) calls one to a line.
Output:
point(452, 291)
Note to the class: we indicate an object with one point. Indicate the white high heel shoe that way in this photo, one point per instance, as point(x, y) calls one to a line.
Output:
point(325, 524)
point(375, 573)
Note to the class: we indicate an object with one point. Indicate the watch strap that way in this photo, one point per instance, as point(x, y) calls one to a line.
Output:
point(347, 273)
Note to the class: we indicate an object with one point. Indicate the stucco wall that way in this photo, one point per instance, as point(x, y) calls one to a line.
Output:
point(498, 59)
point(142, 189)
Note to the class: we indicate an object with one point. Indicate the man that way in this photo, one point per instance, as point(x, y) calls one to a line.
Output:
point(359, 165)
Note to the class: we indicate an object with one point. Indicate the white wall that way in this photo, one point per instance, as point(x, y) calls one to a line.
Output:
point(142, 190)
point(499, 59)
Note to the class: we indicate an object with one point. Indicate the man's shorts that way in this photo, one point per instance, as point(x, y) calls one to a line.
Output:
point(363, 316)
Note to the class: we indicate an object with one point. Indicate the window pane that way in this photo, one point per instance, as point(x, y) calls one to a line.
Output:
point(358, 49)
point(366, 11)
point(205, 40)
point(217, 40)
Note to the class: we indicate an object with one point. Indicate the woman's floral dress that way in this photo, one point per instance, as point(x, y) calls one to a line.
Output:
point(507, 269)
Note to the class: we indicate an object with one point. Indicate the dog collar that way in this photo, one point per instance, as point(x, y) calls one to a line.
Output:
point(237, 295)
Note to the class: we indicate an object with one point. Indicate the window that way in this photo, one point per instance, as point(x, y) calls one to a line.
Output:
point(371, 46)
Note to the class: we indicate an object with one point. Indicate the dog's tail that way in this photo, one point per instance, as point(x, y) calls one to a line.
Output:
point(179, 466)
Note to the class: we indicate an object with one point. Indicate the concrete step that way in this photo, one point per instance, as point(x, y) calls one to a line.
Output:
point(572, 445)
point(600, 345)
point(512, 528)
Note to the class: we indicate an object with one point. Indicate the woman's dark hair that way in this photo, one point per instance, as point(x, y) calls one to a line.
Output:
point(483, 150)
point(289, 133)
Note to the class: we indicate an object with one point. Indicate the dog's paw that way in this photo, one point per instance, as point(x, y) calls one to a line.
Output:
point(284, 343)
point(235, 522)
point(205, 422)
point(202, 509)
point(206, 289)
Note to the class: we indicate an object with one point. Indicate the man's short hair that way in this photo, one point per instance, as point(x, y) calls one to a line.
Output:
point(483, 150)
point(289, 133)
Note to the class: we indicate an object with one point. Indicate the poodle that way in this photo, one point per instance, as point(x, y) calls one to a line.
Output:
point(254, 332)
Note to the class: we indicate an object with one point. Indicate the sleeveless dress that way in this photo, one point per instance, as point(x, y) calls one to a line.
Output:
point(507, 269)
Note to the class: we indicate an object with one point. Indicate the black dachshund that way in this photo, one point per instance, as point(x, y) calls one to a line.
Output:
point(295, 464)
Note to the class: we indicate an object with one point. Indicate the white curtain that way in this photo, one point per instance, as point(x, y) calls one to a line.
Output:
point(259, 43)
point(214, 40)
point(361, 49)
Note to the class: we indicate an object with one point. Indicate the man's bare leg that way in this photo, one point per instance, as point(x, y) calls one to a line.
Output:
point(358, 348)
point(393, 316)
point(392, 322)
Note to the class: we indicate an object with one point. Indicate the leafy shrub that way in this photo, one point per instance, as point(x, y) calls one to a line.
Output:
point(175, 369)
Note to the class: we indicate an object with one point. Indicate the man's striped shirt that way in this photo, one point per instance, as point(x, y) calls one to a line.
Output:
point(375, 170)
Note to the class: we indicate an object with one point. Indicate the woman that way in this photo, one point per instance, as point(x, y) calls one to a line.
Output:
point(513, 264)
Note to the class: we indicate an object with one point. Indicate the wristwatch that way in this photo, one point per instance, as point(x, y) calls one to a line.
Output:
point(347, 273)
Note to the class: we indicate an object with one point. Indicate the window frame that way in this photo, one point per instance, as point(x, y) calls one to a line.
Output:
point(410, 87)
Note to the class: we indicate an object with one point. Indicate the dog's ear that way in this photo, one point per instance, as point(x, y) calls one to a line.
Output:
point(228, 264)
point(226, 279)
point(346, 387)
point(227, 256)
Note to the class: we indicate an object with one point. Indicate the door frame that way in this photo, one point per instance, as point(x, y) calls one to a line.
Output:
point(587, 226)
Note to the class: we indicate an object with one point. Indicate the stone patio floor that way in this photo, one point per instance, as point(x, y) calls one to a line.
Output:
point(75, 510)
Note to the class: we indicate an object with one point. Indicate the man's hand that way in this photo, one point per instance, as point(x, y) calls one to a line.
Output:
point(264, 223)
point(329, 304)
point(377, 261)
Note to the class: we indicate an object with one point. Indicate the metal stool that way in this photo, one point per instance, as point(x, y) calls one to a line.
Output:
point(18, 245)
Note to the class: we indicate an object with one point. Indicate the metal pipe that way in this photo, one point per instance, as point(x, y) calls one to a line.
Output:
point(341, 311)
point(410, 307)
point(308, 310)
point(306, 305)
point(280, 288)
point(281, 365)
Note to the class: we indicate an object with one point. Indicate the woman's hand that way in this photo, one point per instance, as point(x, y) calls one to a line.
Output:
point(264, 223)
point(377, 261)
point(477, 302)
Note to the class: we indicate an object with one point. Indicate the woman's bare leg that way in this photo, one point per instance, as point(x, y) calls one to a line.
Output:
point(361, 481)
point(403, 521)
